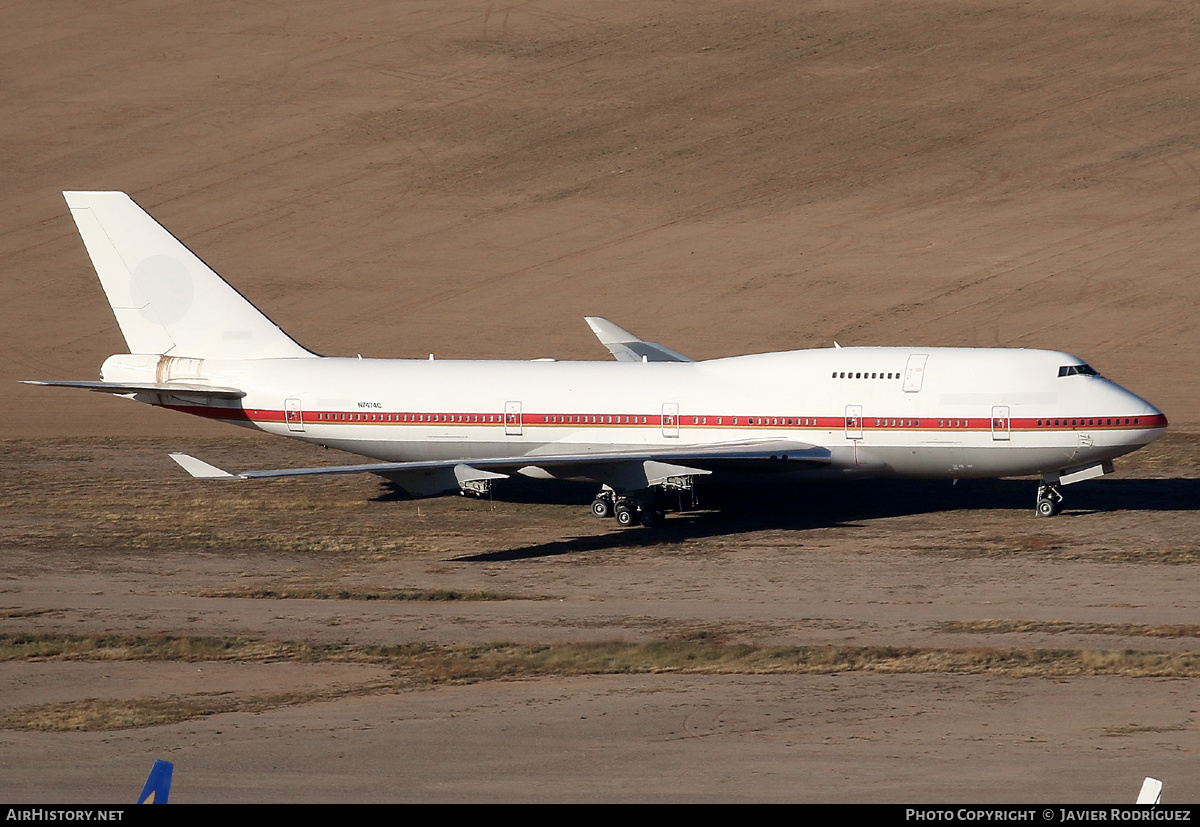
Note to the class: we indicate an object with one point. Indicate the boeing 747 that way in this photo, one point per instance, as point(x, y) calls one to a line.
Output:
point(647, 422)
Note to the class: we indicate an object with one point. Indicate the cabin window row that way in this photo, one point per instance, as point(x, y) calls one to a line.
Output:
point(594, 420)
point(557, 419)
point(700, 420)
point(863, 375)
point(768, 420)
point(373, 417)
point(696, 420)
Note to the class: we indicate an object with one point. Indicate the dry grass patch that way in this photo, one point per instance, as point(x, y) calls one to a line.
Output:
point(1133, 729)
point(482, 663)
point(149, 648)
point(9, 614)
point(693, 654)
point(421, 664)
point(1060, 550)
point(1060, 627)
point(301, 593)
point(101, 715)
point(1173, 557)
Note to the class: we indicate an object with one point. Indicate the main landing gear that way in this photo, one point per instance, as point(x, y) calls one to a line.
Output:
point(629, 511)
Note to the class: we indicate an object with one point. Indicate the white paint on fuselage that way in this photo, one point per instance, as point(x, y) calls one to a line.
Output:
point(918, 436)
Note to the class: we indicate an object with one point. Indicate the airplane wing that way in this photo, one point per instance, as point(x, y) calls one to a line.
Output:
point(623, 470)
point(123, 388)
point(625, 347)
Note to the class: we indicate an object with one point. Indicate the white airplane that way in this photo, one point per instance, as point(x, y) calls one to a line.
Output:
point(651, 421)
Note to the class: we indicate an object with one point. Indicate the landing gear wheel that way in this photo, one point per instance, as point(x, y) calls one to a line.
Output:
point(1047, 508)
point(602, 507)
point(650, 517)
point(626, 516)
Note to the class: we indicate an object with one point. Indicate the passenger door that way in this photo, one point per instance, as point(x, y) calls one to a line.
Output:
point(1000, 423)
point(854, 428)
point(513, 423)
point(293, 413)
point(670, 419)
point(914, 372)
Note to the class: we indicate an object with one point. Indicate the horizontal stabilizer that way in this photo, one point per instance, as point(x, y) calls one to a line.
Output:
point(200, 469)
point(122, 388)
point(625, 347)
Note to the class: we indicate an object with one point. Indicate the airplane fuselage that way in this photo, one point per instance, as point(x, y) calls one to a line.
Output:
point(919, 412)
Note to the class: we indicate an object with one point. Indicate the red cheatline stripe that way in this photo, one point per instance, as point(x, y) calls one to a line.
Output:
point(563, 420)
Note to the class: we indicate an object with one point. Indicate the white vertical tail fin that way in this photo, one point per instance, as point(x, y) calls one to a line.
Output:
point(165, 298)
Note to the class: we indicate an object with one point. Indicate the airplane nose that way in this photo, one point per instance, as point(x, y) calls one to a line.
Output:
point(1152, 412)
point(1146, 422)
point(1147, 413)
point(1130, 401)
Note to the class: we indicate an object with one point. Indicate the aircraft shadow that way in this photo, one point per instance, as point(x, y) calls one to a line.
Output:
point(802, 507)
point(517, 490)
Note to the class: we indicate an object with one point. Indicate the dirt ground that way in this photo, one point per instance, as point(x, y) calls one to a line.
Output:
point(102, 537)
point(722, 177)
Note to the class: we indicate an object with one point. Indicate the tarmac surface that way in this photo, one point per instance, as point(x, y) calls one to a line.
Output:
point(471, 179)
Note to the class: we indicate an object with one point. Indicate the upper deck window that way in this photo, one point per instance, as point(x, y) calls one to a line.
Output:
point(1080, 370)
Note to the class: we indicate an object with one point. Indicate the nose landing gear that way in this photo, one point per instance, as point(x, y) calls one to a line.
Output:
point(1049, 500)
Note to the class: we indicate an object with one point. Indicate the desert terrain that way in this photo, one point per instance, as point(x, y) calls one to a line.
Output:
point(471, 180)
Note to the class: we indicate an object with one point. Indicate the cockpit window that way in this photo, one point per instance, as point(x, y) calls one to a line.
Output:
point(1077, 370)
